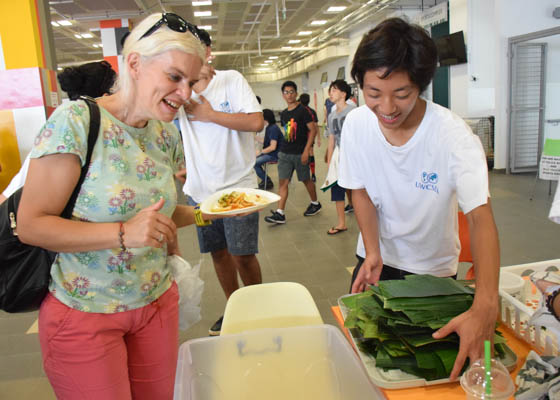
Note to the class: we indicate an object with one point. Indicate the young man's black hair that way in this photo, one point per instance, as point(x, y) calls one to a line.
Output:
point(304, 99)
point(396, 45)
point(204, 37)
point(343, 86)
point(289, 84)
point(269, 117)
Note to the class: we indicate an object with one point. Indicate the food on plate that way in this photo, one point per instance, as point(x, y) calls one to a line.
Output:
point(237, 201)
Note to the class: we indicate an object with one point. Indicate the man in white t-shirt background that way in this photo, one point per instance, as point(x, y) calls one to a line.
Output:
point(409, 163)
point(223, 115)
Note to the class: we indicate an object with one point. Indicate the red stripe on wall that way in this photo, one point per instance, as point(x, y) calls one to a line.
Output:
point(114, 61)
point(43, 56)
point(110, 23)
point(54, 81)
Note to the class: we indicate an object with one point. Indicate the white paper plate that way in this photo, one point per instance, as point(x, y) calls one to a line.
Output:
point(207, 205)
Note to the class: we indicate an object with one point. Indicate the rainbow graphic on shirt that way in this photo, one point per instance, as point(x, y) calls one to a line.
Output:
point(290, 130)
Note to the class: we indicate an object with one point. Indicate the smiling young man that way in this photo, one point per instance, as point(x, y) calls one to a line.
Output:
point(410, 163)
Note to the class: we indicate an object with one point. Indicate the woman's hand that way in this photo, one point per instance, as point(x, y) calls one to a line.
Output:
point(149, 228)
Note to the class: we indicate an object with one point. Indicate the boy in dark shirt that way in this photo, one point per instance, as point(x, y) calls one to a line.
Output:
point(299, 131)
point(304, 99)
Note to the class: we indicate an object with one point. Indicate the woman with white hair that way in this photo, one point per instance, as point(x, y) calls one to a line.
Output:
point(109, 326)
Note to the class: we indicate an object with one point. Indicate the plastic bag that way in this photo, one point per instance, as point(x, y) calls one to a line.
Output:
point(190, 290)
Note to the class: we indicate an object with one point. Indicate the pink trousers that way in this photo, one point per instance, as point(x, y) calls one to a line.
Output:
point(127, 355)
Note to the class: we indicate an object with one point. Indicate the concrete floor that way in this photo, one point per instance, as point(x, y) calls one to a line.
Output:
point(300, 251)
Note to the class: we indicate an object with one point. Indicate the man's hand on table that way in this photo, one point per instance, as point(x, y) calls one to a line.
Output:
point(369, 273)
point(474, 326)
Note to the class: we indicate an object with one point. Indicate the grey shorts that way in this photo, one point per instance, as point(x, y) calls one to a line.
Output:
point(287, 163)
point(239, 235)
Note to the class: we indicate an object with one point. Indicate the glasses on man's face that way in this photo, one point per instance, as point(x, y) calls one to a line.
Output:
point(286, 92)
point(173, 22)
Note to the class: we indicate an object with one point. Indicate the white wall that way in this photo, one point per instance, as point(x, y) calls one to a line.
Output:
point(459, 74)
point(513, 18)
point(271, 94)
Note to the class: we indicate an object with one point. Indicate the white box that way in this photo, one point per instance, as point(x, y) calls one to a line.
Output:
point(297, 363)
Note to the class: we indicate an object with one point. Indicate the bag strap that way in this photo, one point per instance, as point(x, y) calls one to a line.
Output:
point(94, 120)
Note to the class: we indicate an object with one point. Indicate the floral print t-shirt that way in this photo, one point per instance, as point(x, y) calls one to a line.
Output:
point(131, 168)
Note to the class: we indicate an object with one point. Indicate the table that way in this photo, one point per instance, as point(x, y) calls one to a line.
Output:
point(446, 391)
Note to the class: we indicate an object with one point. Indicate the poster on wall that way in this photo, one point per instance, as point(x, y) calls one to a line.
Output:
point(549, 168)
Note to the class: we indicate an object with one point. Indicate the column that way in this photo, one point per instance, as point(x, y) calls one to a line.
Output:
point(112, 31)
point(27, 80)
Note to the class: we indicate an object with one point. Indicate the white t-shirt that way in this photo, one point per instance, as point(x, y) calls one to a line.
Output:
point(18, 180)
point(415, 187)
point(555, 209)
point(218, 157)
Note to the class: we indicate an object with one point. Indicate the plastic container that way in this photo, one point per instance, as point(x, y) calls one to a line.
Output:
point(512, 284)
point(473, 381)
point(516, 312)
point(296, 363)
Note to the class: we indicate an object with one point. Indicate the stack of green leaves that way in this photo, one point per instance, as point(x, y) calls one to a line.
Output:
point(394, 323)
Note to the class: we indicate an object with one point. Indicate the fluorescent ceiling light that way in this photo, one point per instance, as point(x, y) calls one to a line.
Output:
point(205, 27)
point(203, 13)
point(202, 3)
point(95, 45)
point(305, 33)
point(100, 44)
point(268, 61)
point(294, 41)
point(64, 22)
point(54, 23)
point(335, 9)
point(87, 35)
point(319, 22)
point(287, 47)
point(59, 68)
point(273, 57)
point(77, 36)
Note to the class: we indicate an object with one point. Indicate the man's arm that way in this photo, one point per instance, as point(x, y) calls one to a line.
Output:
point(366, 214)
point(478, 323)
point(330, 148)
point(310, 139)
point(270, 148)
point(203, 111)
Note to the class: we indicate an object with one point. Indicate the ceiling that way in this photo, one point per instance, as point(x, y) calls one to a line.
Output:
point(239, 28)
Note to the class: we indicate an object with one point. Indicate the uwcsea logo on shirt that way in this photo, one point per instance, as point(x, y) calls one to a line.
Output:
point(428, 182)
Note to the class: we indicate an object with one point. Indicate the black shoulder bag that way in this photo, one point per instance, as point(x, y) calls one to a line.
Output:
point(25, 270)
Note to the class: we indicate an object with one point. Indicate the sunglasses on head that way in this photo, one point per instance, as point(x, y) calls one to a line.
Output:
point(173, 22)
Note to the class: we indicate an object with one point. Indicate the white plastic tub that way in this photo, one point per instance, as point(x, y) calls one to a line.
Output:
point(297, 363)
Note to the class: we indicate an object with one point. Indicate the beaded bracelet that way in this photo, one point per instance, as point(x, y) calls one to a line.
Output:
point(121, 236)
point(198, 220)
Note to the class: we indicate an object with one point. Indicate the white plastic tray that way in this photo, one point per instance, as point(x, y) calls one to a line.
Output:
point(516, 312)
point(297, 363)
point(397, 379)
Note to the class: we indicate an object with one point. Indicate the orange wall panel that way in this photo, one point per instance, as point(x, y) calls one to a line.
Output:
point(9, 153)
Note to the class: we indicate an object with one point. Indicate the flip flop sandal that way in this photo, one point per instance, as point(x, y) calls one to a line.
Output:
point(335, 231)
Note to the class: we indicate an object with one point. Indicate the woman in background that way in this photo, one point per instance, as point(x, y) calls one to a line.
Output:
point(271, 144)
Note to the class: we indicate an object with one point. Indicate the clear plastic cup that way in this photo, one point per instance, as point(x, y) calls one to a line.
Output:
point(473, 381)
